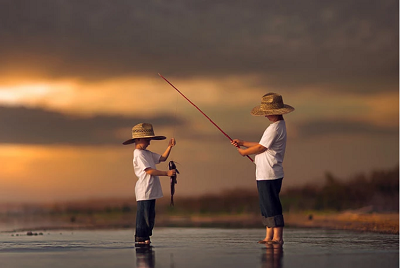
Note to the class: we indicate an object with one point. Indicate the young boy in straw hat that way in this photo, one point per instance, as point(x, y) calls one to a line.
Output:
point(148, 186)
point(269, 151)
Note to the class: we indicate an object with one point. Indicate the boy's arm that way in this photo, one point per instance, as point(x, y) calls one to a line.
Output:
point(256, 149)
point(246, 144)
point(165, 155)
point(156, 172)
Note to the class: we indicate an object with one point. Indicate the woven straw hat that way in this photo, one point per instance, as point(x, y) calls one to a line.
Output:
point(143, 130)
point(271, 104)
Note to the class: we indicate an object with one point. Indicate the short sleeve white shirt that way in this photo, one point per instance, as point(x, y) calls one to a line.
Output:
point(269, 163)
point(147, 187)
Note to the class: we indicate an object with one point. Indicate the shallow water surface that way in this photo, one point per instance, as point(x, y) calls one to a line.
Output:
point(197, 247)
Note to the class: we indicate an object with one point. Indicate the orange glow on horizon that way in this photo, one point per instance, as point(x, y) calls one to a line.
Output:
point(50, 172)
point(152, 95)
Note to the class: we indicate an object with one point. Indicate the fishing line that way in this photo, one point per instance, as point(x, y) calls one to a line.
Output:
point(175, 117)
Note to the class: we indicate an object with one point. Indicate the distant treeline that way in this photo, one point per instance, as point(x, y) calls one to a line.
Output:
point(379, 191)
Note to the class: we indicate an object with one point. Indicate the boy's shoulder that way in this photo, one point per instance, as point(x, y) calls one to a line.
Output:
point(143, 153)
point(275, 128)
point(140, 151)
point(278, 125)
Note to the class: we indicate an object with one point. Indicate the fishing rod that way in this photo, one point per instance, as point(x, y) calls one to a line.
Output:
point(226, 135)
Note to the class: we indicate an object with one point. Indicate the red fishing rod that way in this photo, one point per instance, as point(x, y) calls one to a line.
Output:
point(226, 135)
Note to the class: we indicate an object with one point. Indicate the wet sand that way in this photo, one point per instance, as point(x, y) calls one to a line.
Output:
point(199, 247)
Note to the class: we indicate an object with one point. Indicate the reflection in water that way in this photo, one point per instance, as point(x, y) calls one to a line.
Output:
point(145, 257)
point(272, 256)
point(220, 248)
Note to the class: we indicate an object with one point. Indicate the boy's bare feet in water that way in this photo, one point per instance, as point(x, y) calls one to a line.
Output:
point(146, 242)
point(273, 236)
point(265, 241)
point(276, 242)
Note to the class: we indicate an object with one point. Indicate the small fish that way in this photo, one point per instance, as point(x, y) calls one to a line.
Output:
point(171, 165)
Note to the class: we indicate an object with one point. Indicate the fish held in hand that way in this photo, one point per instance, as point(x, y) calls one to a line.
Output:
point(171, 165)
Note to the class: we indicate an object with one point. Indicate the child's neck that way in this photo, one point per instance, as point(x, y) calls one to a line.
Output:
point(139, 147)
point(277, 118)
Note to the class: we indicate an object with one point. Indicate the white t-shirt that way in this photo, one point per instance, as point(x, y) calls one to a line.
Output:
point(269, 163)
point(147, 187)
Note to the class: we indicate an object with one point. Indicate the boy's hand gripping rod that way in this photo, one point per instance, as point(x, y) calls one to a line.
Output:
point(226, 135)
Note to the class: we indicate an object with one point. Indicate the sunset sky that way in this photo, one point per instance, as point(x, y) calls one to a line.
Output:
point(75, 76)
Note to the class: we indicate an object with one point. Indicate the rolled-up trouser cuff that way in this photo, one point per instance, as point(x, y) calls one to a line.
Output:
point(141, 239)
point(275, 221)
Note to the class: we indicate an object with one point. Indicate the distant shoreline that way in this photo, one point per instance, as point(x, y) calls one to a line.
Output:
point(369, 222)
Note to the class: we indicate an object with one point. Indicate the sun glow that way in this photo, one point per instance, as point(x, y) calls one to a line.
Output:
point(13, 95)
point(49, 172)
point(36, 94)
point(124, 95)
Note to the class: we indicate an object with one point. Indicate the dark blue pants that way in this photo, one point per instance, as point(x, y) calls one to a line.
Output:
point(145, 216)
point(270, 204)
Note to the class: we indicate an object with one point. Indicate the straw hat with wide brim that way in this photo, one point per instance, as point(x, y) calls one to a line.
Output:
point(143, 130)
point(271, 104)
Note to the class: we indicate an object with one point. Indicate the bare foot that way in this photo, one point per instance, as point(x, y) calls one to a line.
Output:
point(146, 242)
point(265, 241)
point(276, 242)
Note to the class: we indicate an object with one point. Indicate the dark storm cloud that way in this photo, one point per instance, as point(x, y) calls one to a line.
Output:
point(335, 127)
point(23, 125)
point(37, 126)
point(287, 42)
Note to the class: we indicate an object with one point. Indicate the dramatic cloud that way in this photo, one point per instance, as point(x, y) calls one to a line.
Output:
point(286, 43)
point(21, 125)
point(329, 127)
